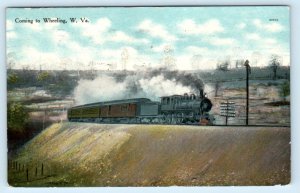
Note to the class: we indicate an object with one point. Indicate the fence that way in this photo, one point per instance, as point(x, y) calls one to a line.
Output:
point(27, 171)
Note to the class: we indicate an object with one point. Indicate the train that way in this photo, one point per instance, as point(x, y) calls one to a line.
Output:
point(174, 109)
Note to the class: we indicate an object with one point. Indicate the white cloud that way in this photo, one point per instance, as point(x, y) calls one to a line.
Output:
point(133, 59)
point(9, 25)
point(108, 53)
point(241, 26)
point(155, 30)
point(45, 59)
point(260, 55)
point(35, 26)
point(99, 32)
point(66, 46)
point(209, 27)
point(67, 56)
point(95, 31)
point(117, 56)
point(270, 41)
point(73, 49)
point(252, 36)
point(162, 47)
point(208, 58)
point(216, 41)
point(11, 35)
point(271, 27)
point(82, 54)
point(185, 62)
point(277, 50)
point(197, 50)
point(120, 36)
point(60, 37)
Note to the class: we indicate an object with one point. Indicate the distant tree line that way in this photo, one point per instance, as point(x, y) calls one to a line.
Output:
point(58, 83)
point(274, 64)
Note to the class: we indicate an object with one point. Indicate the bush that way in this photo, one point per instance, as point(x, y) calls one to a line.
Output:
point(16, 117)
point(12, 78)
point(285, 88)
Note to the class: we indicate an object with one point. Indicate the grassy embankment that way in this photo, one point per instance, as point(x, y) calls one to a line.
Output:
point(75, 154)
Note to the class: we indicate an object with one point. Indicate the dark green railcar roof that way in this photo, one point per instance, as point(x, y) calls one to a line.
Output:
point(114, 102)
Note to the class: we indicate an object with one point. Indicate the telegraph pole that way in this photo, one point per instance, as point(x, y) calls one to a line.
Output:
point(227, 110)
point(227, 107)
point(248, 71)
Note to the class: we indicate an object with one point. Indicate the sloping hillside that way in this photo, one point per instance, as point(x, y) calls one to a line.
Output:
point(84, 154)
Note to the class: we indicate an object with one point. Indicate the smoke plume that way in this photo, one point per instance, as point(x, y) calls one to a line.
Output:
point(150, 84)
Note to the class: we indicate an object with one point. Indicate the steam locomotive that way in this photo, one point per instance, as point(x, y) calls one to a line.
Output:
point(174, 109)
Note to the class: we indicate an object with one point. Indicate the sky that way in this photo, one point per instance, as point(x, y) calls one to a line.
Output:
point(132, 38)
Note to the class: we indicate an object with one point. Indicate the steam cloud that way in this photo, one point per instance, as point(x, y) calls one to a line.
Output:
point(149, 84)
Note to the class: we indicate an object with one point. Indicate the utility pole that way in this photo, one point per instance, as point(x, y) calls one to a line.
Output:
point(227, 107)
point(248, 71)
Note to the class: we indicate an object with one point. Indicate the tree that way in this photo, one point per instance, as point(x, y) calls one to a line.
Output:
point(12, 78)
point(16, 116)
point(274, 64)
point(285, 89)
point(43, 76)
point(223, 66)
point(239, 63)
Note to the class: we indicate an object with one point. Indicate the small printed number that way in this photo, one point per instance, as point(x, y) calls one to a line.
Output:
point(273, 19)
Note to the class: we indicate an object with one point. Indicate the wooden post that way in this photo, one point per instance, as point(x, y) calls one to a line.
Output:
point(247, 102)
point(42, 170)
point(27, 177)
point(248, 71)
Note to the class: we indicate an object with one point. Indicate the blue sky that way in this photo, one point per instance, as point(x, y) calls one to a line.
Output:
point(137, 38)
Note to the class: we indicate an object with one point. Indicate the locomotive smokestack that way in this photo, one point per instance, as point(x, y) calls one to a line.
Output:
point(201, 93)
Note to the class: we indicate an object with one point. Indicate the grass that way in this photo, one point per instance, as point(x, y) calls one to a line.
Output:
point(77, 154)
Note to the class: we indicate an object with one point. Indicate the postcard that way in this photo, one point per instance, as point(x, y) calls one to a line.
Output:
point(148, 96)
